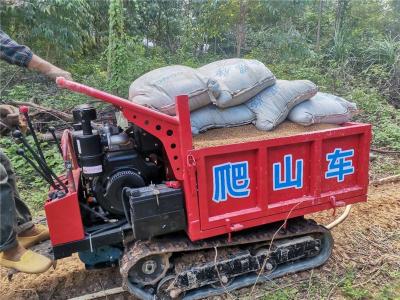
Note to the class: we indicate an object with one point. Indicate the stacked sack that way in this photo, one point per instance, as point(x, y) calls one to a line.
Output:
point(157, 89)
point(235, 92)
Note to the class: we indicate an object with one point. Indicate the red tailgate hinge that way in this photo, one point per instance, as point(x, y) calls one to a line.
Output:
point(335, 204)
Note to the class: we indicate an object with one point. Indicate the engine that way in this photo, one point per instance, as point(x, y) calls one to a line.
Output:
point(112, 159)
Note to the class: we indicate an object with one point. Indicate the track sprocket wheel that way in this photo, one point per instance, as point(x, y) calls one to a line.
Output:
point(150, 269)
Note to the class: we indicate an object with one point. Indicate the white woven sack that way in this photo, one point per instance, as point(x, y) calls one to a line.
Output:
point(157, 89)
point(213, 117)
point(272, 105)
point(323, 108)
point(239, 79)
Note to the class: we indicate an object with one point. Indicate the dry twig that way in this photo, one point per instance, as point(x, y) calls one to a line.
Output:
point(270, 246)
point(389, 179)
point(334, 287)
point(309, 284)
point(60, 114)
point(384, 151)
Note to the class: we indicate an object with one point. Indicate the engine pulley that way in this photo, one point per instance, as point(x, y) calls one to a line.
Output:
point(109, 190)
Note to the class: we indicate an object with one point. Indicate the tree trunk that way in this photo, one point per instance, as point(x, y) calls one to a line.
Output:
point(241, 27)
point(319, 26)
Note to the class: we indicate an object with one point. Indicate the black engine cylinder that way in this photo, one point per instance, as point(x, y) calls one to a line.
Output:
point(90, 154)
point(88, 144)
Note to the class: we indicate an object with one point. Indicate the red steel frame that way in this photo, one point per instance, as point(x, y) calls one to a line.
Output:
point(192, 168)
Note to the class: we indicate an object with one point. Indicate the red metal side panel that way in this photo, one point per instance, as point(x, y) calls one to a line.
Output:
point(222, 207)
point(255, 183)
point(295, 157)
point(64, 217)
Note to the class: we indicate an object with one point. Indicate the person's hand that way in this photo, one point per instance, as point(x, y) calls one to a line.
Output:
point(22, 124)
point(10, 119)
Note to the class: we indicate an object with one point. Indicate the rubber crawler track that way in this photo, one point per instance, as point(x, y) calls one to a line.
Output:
point(180, 243)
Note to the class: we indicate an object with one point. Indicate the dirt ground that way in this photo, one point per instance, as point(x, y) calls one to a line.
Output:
point(365, 263)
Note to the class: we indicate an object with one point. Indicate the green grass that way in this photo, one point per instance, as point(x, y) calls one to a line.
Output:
point(384, 118)
point(283, 294)
point(390, 290)
point(350, 291)
point(335, 286)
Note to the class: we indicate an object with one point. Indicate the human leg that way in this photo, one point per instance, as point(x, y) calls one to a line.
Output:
point(12, 253)
point(7, 212)
point(23, 216)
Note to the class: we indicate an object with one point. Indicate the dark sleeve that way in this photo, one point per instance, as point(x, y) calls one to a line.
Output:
point(14, 53)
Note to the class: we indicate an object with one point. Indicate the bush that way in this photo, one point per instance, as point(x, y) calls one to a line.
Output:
point(384, 118)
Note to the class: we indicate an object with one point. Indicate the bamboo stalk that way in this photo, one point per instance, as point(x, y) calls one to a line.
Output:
point(100, 294)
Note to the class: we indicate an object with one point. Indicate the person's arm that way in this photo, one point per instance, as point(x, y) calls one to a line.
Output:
point(46, 68)
point(21, 55)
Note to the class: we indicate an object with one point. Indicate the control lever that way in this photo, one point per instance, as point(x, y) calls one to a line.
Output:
point(46, 170)
point(18, 135)
point(25, 111)
point(53, 133)
point(49, 180)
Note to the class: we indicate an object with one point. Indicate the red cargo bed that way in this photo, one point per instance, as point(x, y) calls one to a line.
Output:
point(233, 187)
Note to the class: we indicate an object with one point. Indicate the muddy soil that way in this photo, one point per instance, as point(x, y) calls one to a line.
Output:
point(367, 242)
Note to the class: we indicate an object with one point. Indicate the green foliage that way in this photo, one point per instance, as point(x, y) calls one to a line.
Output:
point(286, 44)
point(274, 29)
point(340, 48)
point(41, 23)
point(157, 21)
point(384, 52)
point(19, 92)
point(391, 290)
point(117, 53)
point(384, 117)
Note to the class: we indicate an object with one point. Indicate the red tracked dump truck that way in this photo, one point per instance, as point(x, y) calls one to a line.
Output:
point(144, 197)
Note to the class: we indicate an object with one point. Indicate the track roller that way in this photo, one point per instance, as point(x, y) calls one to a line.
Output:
point(149, 270)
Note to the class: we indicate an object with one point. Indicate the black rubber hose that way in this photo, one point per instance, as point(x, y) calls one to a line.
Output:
point(105, 219)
